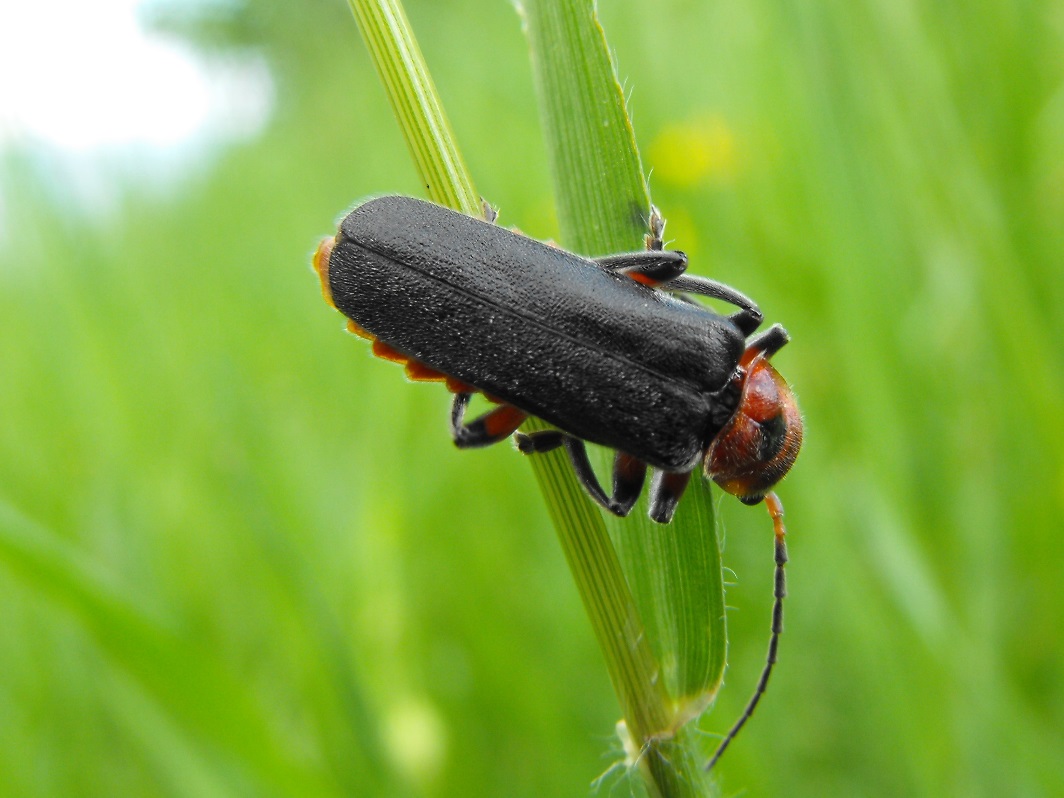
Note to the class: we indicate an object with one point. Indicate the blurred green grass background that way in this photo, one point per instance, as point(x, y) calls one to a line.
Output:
point(239, 556)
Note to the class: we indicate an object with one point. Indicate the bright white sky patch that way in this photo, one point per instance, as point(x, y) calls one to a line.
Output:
point(95, 103)
point(83, 76)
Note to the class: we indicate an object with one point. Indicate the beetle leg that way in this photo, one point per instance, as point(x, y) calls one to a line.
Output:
point(492, 427)
point(538, 442)
point(650, 268)
point(770, 341)
point(666, 488)
point(628, 476)
point(653, 266)
point(586, 476)
point(665, 269)
point(748, 318)
point(628, 472)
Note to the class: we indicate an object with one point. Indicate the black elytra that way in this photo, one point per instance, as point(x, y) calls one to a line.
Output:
point(594, 353)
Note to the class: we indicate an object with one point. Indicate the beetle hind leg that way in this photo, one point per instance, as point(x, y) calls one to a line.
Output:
point(492, 427)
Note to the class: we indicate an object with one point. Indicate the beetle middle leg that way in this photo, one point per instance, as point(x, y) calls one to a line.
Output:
point(492, 427)
point(629, 473)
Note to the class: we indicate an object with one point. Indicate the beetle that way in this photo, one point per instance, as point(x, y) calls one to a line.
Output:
point(608, 350)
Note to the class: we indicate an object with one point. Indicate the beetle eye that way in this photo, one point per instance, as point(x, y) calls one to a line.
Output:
point(773, 435)
point(759, 444)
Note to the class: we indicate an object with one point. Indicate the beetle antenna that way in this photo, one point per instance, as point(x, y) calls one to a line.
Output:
point(775, 510)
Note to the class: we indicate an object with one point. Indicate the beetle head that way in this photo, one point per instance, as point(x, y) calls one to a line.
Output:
point(759, 444)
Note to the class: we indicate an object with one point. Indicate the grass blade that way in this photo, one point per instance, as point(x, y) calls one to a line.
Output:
point(402, 69)
point(603, 206)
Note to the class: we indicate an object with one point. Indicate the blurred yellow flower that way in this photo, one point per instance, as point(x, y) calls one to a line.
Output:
point(693, 152)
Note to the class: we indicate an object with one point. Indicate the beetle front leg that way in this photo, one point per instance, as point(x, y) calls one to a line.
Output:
point(665, 269)
point(666, 489)
point(492, 427)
